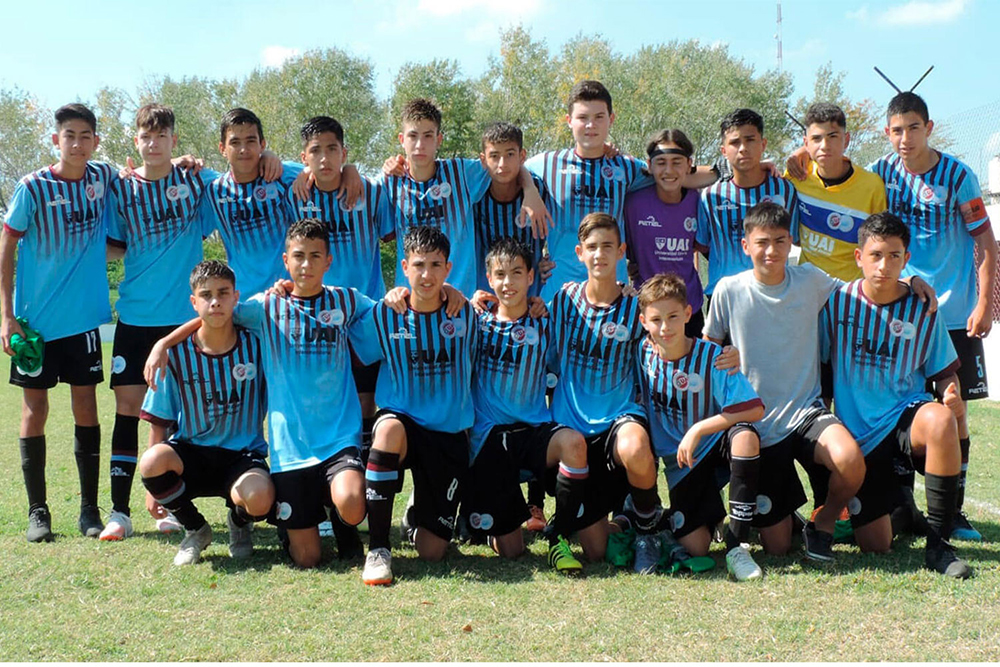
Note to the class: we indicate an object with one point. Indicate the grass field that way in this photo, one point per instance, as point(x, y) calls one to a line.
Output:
point(78, 599)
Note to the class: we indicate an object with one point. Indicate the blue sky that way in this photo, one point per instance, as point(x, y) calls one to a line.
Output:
point(61, 50)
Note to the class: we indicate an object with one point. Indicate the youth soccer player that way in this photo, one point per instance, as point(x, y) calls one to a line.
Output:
point(835, 197)
point(725, 204)
point(596, 333)
point(885, 345)
point(699, 419)
point(661, 221)
point(425, 400)
point(442, 192)
point(938, 198)
point(513, 428)
point(206, 422)
point(771, 312)
point(313, 415)
point(154, 218)
point(251, 214)
point(56, 227)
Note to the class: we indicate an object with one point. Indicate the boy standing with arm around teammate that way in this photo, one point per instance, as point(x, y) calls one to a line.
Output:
point(212, 393)
point(56, 225)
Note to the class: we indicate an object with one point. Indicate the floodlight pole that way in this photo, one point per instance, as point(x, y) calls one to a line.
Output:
point(777, 37)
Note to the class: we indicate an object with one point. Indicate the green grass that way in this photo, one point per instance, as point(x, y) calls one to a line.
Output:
point(78, 599)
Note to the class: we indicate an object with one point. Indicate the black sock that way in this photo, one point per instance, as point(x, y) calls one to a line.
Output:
point(124, 455)
point(383, 480)
point(743, 479)
point(171, 492)
point(87, 449)
point(963, 444)
point(536, 492)
point(942, 495)
point(366, 437)
point(239, 516)
point(646, 502)
point(33, 467)
point(571, 484)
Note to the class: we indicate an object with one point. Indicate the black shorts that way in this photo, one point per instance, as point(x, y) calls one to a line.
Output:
point(806, 435)
point(131, 348)
point(210, 472)
point(826, 380)
point(495, 504)
point(696, 500)
point(972, 372)
point(302, 495)
point(75, 360)
point(607, 484)
point(439, 464)
point(365, 377)
point(779, 491)
point(879, 493)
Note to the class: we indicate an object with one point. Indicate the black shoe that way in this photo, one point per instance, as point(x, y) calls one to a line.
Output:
point(819, 545)
point(349, 546)
point(90, 523)
point(940, 557)
point(407, 524)
point(283, 540)
point(907, 518)
point(40, 524)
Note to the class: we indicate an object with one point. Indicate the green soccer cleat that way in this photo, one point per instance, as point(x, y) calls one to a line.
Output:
point(562, 559)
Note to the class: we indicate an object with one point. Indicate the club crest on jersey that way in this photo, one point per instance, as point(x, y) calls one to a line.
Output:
point(906, 330)
point(94, 191)
point(452, 328)
point(688, 381)
point(244, 372)
point(262, 192)
point(840, 221)
point(527, 335)
point(333, 317)
point(660, 242)
point(176, 192)
point(358, 205)
point(933, 194)
point(438, 192)
point(690, 224)
point(609, 329)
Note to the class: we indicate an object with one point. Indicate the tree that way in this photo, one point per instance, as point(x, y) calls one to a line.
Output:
point(319, 83)
point(441, 82)
point(25, 144)
point(115, 110)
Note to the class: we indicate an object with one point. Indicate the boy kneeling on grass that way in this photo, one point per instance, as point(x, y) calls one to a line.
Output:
point(212, 394)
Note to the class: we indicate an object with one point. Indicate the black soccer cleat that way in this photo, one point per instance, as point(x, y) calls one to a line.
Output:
point(39, 524)
point(819, 545)
point(90, 523)
point(941, 558)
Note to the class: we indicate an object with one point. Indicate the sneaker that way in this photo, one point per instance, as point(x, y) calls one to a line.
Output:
point(741, 565)
point(536, 522)
point(90, 523)
point(907, 517)
point(169, 524)
point(562, 558)
point(819, 545)
point(192, 545)
point(963, 530)
point(647, 553)
point(378, 568)
point(941, 558)
point(119, 527)
point(407, 525)
point(240, 538)
point(40, 524)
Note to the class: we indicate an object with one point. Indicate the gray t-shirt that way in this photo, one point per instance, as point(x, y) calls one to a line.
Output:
point(776, 329)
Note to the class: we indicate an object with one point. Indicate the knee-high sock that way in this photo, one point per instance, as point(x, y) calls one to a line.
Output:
point(942, 498)
point(964, 446)
point(383, 479)
point(87, 450)
point(743, 480)
point(33, 467)
point(171, 492)
point(124, 455)
point(571, 484)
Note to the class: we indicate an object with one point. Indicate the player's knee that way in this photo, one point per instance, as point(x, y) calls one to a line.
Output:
point(510, 545)
point(939, 425)
point(255, 492)
point(635, 452)
point(304, 556)
point(431, 548)
point(351, 509)
point(745, 444)
point(159, 459)
point(697, 542)
point(572, 449)
point(389, 436)
point(35, 408)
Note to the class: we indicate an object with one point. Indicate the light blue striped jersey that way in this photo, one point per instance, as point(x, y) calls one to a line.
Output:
point(215, 400)
point(61, 283)
point(495, 220)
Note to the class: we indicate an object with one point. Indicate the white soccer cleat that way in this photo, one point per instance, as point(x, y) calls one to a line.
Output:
point(118, 528)
point(192, 545)
point(169, 524)
point(741, 565)
point(378, 568)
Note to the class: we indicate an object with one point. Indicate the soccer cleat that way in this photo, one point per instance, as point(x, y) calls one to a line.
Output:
point(819, 545)
point(378, 568)
point(407, 524)
point(169, 524)
point(119, 527)
point(240, 538)
point(192, 545)
point(40, 524)
point(90, 523)
point(562, 559)
point(940, 557)
point(647, 553)
point(536, 522)
point(741, 565)
point(907, 517)
point(965, 531)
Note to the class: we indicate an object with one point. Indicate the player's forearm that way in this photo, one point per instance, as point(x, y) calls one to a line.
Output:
point(527, 182)
point(157, 433)
point(179, 334)
point(8, 248)
point(702, 177)
point(727, 420)
point(987, 269)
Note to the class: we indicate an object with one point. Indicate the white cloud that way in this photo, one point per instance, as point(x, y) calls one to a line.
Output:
point(275, 56)
point(812, 48)
point(913, 13)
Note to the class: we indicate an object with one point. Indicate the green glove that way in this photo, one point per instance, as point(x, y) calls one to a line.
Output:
point(29, 349)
